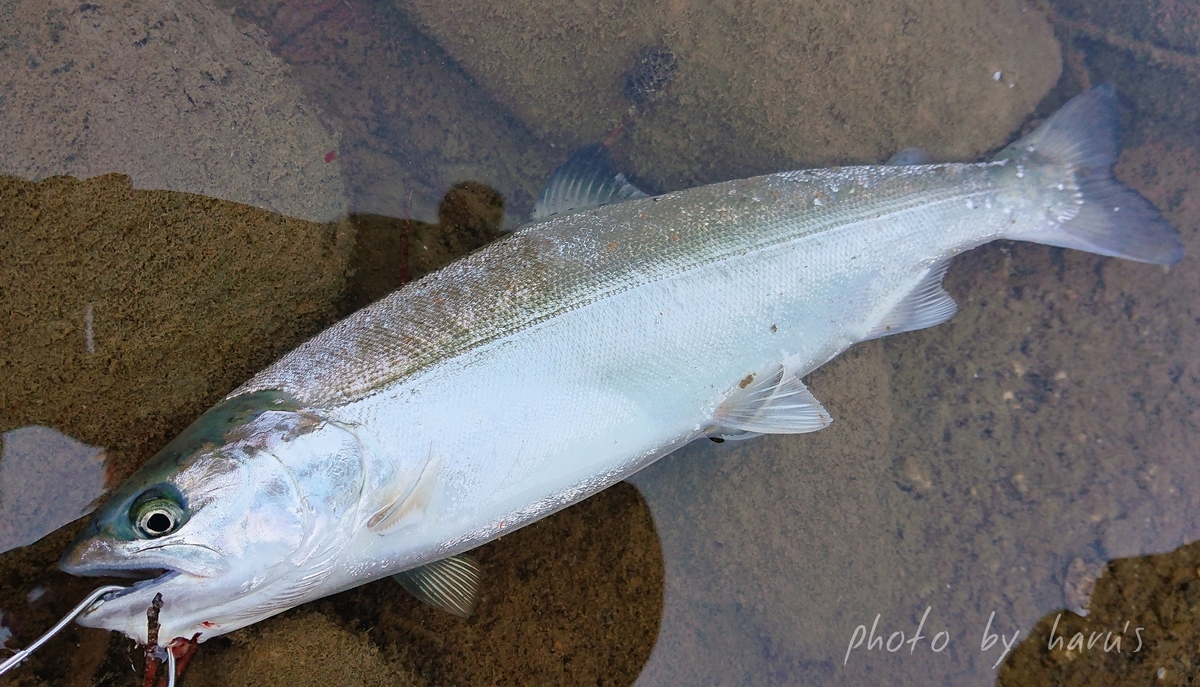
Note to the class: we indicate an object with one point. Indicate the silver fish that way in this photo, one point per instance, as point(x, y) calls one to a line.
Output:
point(565, 357)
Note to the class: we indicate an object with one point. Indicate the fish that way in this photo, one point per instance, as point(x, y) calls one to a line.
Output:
point(609, 331)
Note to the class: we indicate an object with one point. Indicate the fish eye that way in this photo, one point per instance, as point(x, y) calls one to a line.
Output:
point(156, 522)
point(158, 512)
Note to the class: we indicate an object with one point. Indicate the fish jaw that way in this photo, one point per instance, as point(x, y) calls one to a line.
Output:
point(125, 611)
point(187, 607)
point(180, 564)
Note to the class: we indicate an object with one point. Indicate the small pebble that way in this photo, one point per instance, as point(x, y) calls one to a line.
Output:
point(1079, 585)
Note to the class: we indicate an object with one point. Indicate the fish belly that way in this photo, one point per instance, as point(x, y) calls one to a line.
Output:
point(536, 421)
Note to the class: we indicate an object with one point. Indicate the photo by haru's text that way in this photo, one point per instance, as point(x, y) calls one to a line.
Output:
point(896, 640)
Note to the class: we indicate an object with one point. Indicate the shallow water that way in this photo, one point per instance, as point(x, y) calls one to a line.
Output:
point(35, 500)
point(979, 474)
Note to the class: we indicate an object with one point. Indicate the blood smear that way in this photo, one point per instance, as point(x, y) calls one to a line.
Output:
point(330, 155)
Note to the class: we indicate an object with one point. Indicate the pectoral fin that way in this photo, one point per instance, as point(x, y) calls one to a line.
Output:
point(407, 502)
point(451, 584)
point(776, 403)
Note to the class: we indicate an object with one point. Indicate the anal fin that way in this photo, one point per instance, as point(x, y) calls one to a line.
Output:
point(776, 403)
point(451, 584)
point(926, 305)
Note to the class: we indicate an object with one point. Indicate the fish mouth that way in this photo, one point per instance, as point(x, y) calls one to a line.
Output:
point(150, 578)
point(140, 575)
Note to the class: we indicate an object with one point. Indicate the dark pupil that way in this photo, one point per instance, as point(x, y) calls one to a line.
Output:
point(158, 522)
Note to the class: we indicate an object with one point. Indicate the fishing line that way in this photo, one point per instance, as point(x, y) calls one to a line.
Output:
point(85, 605)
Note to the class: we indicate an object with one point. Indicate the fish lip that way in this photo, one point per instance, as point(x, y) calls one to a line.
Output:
point(101, 557)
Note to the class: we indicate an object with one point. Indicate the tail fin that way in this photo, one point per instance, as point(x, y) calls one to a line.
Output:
point(1112, 219)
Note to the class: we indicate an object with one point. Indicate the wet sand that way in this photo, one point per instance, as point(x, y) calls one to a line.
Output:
point(759, 86)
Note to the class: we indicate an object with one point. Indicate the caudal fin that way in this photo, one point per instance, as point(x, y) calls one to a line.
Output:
point(1111, 219)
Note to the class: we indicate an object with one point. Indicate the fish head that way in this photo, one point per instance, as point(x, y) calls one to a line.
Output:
point(233, 521)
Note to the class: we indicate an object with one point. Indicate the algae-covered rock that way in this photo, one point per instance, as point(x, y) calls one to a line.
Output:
point(187, 297)
point(1144, 628)
point(300, 649)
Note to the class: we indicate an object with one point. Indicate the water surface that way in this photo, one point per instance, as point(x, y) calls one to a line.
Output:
point(972, 472)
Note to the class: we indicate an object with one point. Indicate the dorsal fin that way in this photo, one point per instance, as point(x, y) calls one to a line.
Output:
point(926, 305)
point(588, 179)
point(451, 584)
point(910, 156)
point(774, 403)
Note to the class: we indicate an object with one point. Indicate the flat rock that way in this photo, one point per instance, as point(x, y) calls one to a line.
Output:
point(172, 95)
